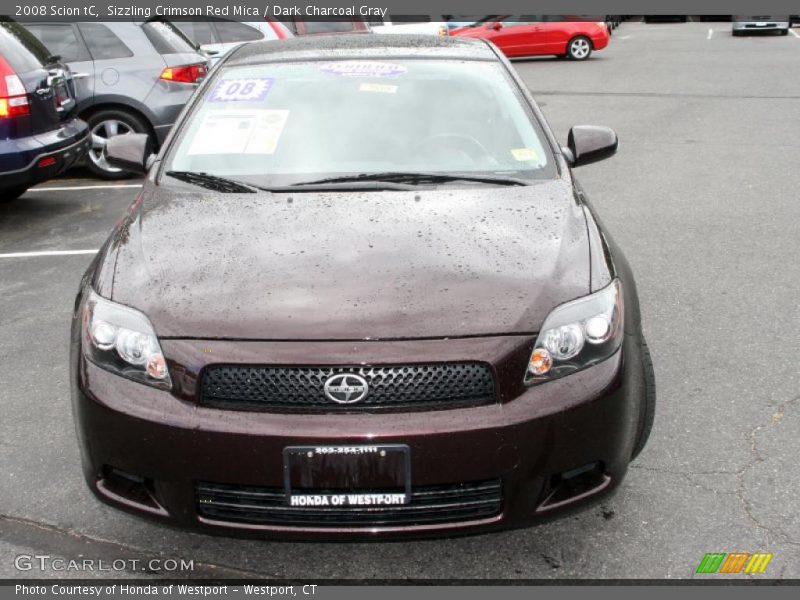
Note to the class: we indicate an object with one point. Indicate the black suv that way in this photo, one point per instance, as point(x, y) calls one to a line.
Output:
point(39, 135)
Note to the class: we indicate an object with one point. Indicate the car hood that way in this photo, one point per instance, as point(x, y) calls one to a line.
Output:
point(352, 265)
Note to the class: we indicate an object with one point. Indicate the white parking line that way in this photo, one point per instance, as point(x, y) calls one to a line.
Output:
point(47, 253)
point(794, 33)
point(83, 187)
point(710, 34)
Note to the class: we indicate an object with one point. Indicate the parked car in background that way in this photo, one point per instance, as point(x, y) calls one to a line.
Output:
point(219, 36)
point(40, 136)
point(417, 27)
point(743, 24)
point(300, 26)
point(131, 77)
point(535, 35)
point(794, 19)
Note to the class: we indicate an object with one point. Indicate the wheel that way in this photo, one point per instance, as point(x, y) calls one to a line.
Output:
point(105, 124)
point(649, 407)
point(579, 48)
point(784, 32)
point(12, 194)
point(736, 33)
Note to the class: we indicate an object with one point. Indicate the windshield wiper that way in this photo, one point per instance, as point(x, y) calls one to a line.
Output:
point(418, 178)
point(214, 182)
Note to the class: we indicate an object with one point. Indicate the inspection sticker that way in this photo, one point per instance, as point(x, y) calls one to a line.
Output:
point(381, 88)
point(524, 154)
point(240, 90)
point(363, 68)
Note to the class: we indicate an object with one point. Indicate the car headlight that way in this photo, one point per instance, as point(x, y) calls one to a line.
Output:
point(121, 339)
point(578, 334)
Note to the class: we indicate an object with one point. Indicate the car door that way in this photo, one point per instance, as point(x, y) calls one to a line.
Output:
point(116, 70)
point(559, 30)
point(518, 35)
point(64, 40)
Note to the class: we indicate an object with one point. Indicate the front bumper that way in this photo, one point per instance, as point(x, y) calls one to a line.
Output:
point(171, 444)
point(759, 25)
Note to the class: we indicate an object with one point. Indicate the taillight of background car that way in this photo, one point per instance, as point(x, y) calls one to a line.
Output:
point(13, 97)
point(185, 73)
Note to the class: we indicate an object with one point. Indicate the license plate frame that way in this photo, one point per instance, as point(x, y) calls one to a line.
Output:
point(320, 476)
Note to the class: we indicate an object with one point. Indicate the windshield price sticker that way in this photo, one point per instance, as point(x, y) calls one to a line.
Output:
point(382, 88)
point(241, 90)
point(239, 131)
point(362, 68)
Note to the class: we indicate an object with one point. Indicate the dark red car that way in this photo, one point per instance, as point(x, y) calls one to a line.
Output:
point(537, 35)
point(303, 328)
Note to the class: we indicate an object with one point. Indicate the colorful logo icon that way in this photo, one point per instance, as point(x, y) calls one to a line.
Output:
point(734, 562)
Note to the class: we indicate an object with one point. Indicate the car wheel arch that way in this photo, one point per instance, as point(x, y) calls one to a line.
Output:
point(135, 111)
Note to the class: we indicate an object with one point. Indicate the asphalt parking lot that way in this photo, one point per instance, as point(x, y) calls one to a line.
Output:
point(702, 197)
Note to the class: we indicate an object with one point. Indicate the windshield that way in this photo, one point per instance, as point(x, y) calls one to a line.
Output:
point(281, 124)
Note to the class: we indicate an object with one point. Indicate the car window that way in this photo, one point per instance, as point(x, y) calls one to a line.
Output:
point(271, 125)
point(61, 40)
point(167, 39)
point(21, 49)
point(231, 31)
point(103, 43)
point(200, 32)
point(521, 20)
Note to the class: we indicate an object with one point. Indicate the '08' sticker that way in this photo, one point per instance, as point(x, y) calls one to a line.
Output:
point(241, 90)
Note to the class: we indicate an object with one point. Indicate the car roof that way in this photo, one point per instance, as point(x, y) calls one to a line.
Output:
point(361, 46)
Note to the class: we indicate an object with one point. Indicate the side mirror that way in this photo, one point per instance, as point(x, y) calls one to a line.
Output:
point(130, 152)
point(497, 26)
point(589, 143)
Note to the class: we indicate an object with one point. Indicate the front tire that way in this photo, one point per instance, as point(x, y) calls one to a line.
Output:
point(579, 48)
point(784, 32)
point(105, 124)
point(649, 405)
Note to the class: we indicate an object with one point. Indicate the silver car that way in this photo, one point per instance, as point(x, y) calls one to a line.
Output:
point(742, 24)
point(130, 77)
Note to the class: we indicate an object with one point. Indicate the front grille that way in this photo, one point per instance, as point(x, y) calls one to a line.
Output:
point(410, 386)
point(429, 505)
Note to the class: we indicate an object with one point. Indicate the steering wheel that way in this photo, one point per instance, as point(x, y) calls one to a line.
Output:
point(476, 150)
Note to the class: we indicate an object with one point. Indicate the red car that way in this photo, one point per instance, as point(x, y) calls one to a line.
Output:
point(535, 35)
